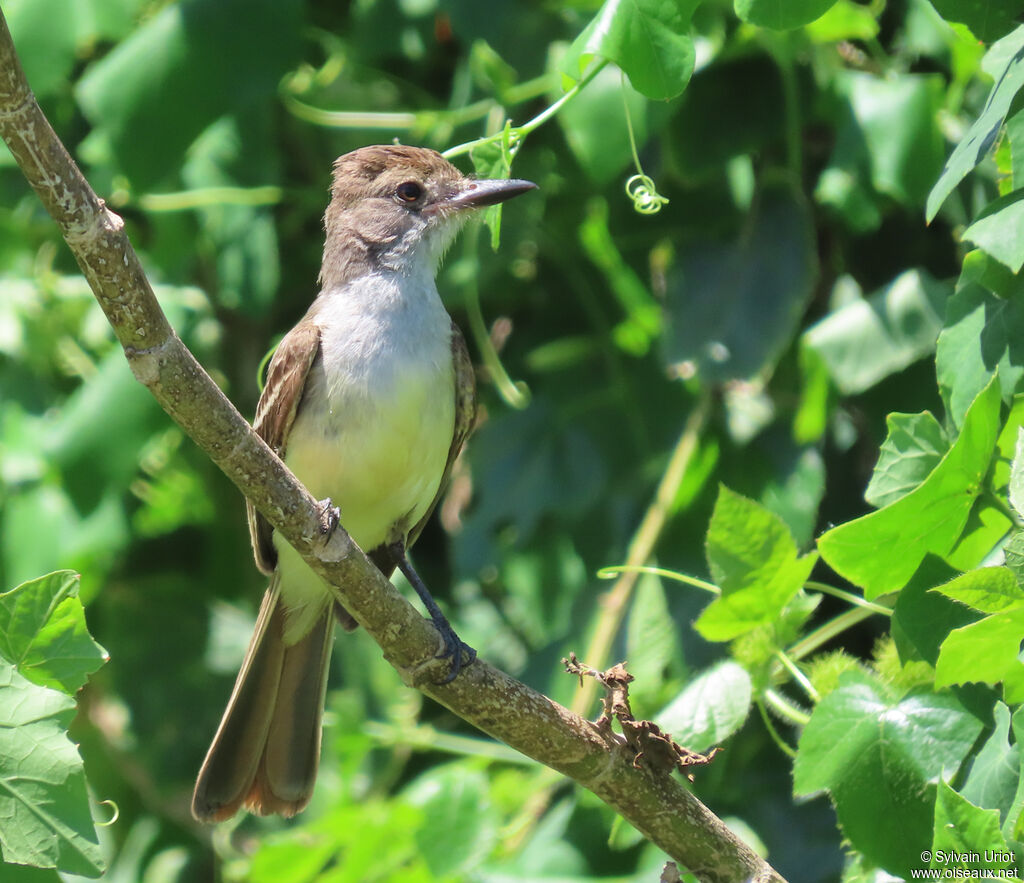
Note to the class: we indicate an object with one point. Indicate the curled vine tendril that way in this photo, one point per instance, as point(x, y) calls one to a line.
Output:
point(115, 813)
point(640, 188)
point(646, 199)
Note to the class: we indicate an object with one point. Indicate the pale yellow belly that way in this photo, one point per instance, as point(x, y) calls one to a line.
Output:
point(381, 464)
point(382, 468)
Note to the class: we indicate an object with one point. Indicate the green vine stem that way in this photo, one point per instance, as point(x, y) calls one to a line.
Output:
point(612, 572)
point(516, 394)
point(518, 134)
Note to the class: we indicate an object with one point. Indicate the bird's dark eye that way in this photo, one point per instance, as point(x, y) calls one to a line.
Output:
point(409, 191)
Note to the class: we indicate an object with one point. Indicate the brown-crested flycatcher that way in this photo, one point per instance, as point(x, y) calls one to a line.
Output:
point(369, 400)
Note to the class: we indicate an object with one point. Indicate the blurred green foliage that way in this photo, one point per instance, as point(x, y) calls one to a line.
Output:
point(789, 293)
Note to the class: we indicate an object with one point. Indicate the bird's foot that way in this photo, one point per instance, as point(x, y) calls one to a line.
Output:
point(330, 518)
point(454, 648)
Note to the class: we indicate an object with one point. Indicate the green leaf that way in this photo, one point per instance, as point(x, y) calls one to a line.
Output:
point(1014, 554)
point(921, 618)
point(988, 19)
point(988, 590)
point(751, 86)
point(1016, 489)
point(997, 230)
point(895, 118)
point(648, 39)
point(963, 830)
point(710, 708)
point(1005, 62)
point(769, 272)
point(995, 774)
point(594, 124)
point(981, 338)
point(492, 160)
point(1012, 827)
point(868, 339)
point(652, 641)
point(43, 800)
point(643, 320)
point(754, 561)
point(985, 529)
point(913, 447)
point(879, 757)
point(781, 16)
point(846, 20)
point(988, 652)
point(186, 66)
point(459, 828)
point(881, 551)
point(43, 633)
point(44, 33)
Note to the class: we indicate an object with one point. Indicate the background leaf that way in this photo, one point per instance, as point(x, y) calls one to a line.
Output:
point(882, 550)
point(43, 799)
point(710, 709)
point(646, 38)
point(768, 270)
point(1005, 62)
point(43, 633)
point(879, 756)
point(781, 16)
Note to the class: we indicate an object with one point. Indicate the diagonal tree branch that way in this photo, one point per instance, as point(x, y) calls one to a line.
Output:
point(658, 806)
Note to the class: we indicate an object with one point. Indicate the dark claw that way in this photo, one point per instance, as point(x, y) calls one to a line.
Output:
point(454, 648)
point(330, 518)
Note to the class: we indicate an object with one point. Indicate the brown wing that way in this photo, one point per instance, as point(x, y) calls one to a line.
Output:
point(465, 417)
point(286, 382)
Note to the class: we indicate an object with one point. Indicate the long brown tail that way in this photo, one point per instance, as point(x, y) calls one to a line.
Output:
point(267, 749)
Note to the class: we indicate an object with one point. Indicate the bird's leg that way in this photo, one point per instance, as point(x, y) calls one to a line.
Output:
point(453, 645)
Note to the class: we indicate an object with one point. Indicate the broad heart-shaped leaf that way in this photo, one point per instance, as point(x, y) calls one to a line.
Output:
point(988, 19)
point(987, 589)
point(984, 333)
point(995, 773)
point(997, 230)
point(44, 807)
point(988, 652)
point(754, 561)
point(648, 39)
point(43, 633)
point(881, 551)
point(879, 757)
point(768, 271)
point(963, 831)
point(1008, 73)
point(868, 339)
point(782, 16)
point(913, 447)
point(711, 707)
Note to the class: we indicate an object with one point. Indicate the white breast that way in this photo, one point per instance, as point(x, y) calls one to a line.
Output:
point(376, 421)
